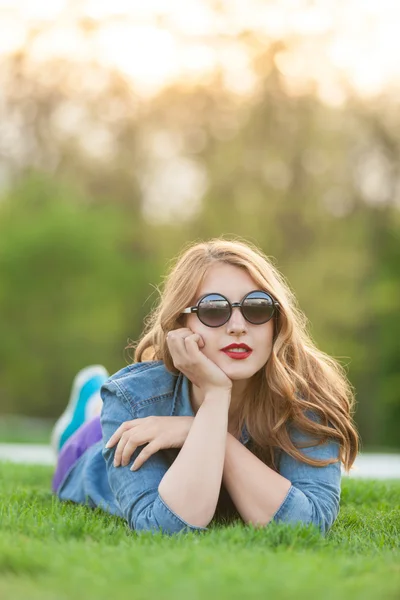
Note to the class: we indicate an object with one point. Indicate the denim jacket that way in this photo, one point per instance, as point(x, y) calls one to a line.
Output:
point(144, 389)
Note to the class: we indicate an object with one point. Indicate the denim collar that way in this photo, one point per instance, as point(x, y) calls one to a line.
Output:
point(181, 404)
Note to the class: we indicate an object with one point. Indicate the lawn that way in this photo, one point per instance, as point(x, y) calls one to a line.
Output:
point(51, 550)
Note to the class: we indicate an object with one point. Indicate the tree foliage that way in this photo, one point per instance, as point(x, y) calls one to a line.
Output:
point(86, 236)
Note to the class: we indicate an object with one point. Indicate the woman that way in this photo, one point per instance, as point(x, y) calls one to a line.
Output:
point(229, 410)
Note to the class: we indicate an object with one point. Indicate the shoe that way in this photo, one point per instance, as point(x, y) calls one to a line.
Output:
point(84, 403)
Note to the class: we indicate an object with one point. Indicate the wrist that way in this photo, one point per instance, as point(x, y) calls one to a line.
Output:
point(218, 395)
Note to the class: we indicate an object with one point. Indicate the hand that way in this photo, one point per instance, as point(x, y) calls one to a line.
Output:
point(185, 348)
point(157, 432)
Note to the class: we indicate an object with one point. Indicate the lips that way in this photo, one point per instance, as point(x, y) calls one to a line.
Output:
point(233, 346)
point(237, 351)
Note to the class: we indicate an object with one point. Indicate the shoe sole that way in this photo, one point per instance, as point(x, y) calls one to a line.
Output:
point(85, 387)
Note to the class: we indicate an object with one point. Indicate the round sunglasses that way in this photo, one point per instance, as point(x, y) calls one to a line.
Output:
point(214, 310)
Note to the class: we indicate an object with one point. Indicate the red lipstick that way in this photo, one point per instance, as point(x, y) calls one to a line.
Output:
point(237, 351)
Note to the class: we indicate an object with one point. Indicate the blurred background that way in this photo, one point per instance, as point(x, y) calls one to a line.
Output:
point(129, 128)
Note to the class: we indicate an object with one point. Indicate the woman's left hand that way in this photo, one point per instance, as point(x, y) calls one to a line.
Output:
point(157, 432)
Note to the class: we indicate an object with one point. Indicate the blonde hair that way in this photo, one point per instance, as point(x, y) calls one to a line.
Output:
point(297, 376)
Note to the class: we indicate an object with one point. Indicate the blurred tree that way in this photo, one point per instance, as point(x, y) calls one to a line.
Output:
point(70, 294)
point(125, 184)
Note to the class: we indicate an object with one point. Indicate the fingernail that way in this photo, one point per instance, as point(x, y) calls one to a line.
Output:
point(133, 468)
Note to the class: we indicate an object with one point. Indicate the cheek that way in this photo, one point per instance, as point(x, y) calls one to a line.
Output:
point(265, 337)
point(193, 323)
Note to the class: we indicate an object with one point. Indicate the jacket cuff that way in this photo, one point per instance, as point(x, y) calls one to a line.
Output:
point(169, 522)
point(295, 507)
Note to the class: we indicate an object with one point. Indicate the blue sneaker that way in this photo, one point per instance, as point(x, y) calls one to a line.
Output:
point(84, 403)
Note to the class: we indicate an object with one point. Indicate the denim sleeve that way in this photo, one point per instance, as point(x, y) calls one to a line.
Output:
point(136, 491)
point(314, 495)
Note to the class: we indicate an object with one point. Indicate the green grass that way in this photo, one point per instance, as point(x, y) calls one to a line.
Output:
point(53, 551)
point(15, 429)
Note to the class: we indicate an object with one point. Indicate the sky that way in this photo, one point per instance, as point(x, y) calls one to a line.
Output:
point(335, 43)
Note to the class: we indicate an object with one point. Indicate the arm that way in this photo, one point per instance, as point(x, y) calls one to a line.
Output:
point(192, 484)
point(256, 490)
point(300, 493)
point(273, 497)
point(160, 496)
point(136, 491)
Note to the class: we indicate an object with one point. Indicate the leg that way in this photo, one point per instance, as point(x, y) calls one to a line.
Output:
point(84, 403)
point(79, 425)
point(88, 434)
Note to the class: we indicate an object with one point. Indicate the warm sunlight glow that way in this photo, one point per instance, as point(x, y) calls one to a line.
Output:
point(148, 55)
point(154, 43)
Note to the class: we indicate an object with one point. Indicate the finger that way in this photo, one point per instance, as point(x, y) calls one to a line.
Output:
point(182, 331)
point(185, 355)
point(120, 449)
point(176, 345)
point(197, 338)
point(118, 453)
point(179, 346)
point(129, 450)
point(193, 343)
point(126, 425)
point(144, 455)
point(185, 332)
point(114, 439)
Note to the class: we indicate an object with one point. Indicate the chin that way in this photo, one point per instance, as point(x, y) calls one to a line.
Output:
point(238, 372)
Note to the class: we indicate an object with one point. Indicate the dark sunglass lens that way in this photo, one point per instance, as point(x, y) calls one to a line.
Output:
point(213, 311)
point(259, 308)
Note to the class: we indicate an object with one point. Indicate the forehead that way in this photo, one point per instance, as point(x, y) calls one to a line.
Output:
point(229, 280)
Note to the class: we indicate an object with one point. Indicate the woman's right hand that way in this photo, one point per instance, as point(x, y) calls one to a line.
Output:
point(185, 348)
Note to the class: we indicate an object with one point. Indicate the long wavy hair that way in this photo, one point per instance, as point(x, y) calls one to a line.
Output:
point(297, 377)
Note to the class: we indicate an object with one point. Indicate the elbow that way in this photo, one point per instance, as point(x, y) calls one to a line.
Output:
point(324, 516)
point(321, 513)
point(157, 517)
point(325, 506)
point(145, 521)
point(308, 508)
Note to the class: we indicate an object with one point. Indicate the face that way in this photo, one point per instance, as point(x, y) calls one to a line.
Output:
point(234, 283)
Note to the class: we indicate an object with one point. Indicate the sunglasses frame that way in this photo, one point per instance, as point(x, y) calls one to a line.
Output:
point(232, 305)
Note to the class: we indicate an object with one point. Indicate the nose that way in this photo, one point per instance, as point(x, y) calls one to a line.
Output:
point(237, 323)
